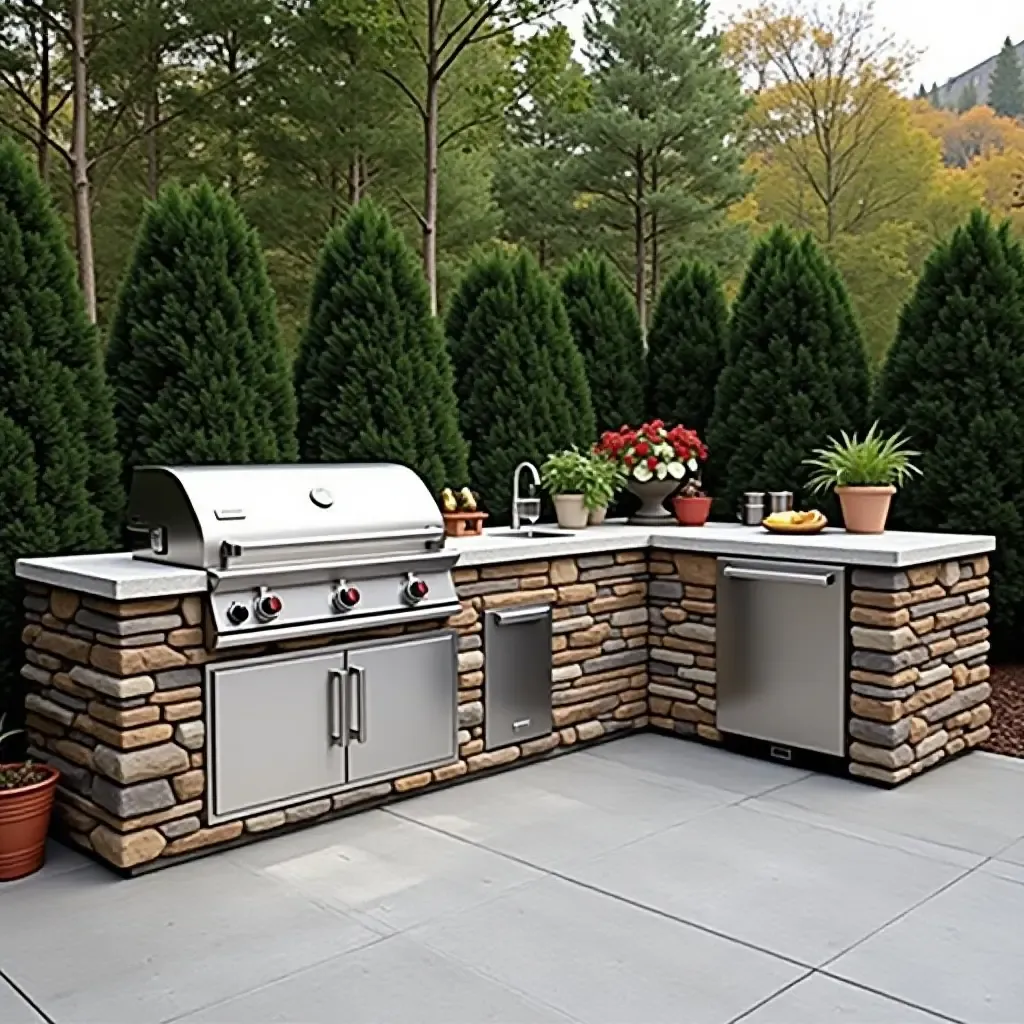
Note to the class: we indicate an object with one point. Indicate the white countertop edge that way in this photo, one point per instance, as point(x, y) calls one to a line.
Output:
point(117, 576)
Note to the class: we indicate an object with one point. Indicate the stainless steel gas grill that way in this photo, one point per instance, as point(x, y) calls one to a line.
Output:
point(298, 551)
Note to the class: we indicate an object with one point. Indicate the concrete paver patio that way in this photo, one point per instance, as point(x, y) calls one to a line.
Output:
point(646, 880)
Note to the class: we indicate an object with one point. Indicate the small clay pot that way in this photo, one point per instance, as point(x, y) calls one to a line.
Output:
point(572, 513)
point(464, 524)
point(24, 822)
point(598, 515)
point(865, 509)
point(691, 511)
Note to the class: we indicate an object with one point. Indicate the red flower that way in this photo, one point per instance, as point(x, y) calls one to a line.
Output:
point(643, 448)
point(652, 462)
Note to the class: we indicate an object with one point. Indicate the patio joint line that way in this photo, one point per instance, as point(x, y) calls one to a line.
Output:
point(26, 997)
point(767, 999)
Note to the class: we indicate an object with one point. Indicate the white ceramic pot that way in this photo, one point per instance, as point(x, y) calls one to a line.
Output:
point(571, 512)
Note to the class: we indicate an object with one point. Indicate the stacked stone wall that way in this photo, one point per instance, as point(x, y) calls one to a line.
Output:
point(116, 699)
point(919, 687)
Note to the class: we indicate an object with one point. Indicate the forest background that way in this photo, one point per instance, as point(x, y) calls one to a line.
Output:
point(477, 122)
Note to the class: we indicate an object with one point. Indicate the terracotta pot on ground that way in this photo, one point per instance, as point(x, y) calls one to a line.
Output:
point(865, 509)
point(597, 515)
point(653, 494)
point(691, 511)
point(571, 512)
point(24, 822)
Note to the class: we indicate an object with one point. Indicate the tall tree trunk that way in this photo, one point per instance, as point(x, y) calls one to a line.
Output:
point(234, 146)
point(42, 142)
point(150, 118)
point(355, 179)
point(655, 241)
point(640, 243)
point(80, 160)
point(430, 158)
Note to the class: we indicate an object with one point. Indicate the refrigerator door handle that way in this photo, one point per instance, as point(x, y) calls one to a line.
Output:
point(358, 674)
point(337, 712)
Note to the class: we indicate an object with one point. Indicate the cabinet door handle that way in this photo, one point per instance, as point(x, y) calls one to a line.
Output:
point(522, 615)
point(336, 707)
point(359, 674)
point(773, 576)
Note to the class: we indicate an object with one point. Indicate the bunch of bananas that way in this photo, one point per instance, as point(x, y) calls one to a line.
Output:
point(458, 501)
point(806, 520)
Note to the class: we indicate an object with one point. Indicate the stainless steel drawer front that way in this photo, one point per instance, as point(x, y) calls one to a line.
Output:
point(781, 653)
point(517, 686)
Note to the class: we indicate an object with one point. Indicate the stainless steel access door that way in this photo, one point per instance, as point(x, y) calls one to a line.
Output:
point(517, 684)
point(402, 706)
point(781, 653)
point(275, 726)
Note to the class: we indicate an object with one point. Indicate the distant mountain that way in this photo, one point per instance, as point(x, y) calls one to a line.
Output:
point(979, 77)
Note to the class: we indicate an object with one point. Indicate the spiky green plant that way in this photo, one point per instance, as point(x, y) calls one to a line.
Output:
point(876, 461)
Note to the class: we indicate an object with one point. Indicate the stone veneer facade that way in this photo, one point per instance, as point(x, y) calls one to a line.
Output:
point(116, 697)
point(116, 700)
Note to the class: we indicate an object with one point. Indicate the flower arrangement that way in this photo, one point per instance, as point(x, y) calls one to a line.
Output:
point(655, 452)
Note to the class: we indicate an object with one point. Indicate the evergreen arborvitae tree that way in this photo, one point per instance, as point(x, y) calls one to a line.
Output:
point(686, 347)
point(373, 376)
point(606, 329)
point(954, 382)
point(795, 374)
point(968, 98)
point(60, 488)
point(520, 380)
point(1006, 89)
point(195, 357)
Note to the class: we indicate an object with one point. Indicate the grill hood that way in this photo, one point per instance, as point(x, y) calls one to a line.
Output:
point(225, 518)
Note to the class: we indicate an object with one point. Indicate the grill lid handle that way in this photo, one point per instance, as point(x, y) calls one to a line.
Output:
point(233, 549)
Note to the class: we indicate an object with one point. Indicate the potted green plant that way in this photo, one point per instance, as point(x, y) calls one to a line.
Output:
point(565, 476)
point(691, 505)
point(864, 474)
point(605, 479)
point(26, 801)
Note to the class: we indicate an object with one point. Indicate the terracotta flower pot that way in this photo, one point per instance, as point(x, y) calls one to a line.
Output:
point(571, 512)
point(464, 524)
point(865, 509)
point(598, 515)
point(24, 822)
point(691, 511)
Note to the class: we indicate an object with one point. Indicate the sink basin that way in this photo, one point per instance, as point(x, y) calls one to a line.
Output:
point(531, 533)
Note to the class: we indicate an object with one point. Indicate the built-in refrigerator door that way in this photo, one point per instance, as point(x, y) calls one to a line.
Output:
point(401, 706)
point(275, 731)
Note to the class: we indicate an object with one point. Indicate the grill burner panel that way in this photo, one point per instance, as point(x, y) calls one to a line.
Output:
point(295, 551)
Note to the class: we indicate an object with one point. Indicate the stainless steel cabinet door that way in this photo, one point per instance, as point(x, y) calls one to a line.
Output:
point(271, 726)
point(401, 706)
point(517, 686)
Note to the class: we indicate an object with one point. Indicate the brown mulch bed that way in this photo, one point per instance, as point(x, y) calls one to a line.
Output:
point(1007, 711)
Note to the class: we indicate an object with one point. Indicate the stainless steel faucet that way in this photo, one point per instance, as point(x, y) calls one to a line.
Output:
point(524, 508)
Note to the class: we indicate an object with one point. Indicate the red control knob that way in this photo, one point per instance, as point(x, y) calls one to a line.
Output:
point(268, 607)
point(416, 590)
point(345, 598)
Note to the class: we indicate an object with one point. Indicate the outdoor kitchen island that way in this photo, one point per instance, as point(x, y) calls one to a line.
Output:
point(561, 642)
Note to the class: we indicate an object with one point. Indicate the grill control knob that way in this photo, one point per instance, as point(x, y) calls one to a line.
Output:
point(345, 598)
point(268, 607)
point(416, 590)
point(237, 614)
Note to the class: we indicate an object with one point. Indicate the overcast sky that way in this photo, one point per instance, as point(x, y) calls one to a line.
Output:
point(954, 34)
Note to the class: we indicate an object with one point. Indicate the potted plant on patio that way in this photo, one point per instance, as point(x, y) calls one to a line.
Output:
point(565, 476)
point(691, 505)
point(656, 460)
point(864, 474)
point(605, 479)
point(26, 800)
point(461, 512)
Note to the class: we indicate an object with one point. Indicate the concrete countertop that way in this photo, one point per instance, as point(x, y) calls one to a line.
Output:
point(120, 577)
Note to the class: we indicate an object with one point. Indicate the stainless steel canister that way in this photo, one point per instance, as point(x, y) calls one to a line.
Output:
point(752, 508)
point(780, 501)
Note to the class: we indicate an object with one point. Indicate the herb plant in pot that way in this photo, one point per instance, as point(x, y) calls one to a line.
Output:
point(656, 460)
point(605, 479)
point(864, 474)
point(691, 505)
point(26, 800)
point(564, 475)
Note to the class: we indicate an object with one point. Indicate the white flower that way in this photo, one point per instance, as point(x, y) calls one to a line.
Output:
point(661, 471)
point(642, 473)
point(676, 471)
point(692, 464)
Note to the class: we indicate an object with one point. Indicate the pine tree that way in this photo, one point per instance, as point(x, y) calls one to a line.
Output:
point(954, 381)
point(686, 347)
point(1006, 89)
point(606, 329)
point(520, 380)
point(373, 376)
point(922, 93)
point(935, 97)
point(968, 98)
point(198, 370)
point(795, 373)
point(60, 489)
